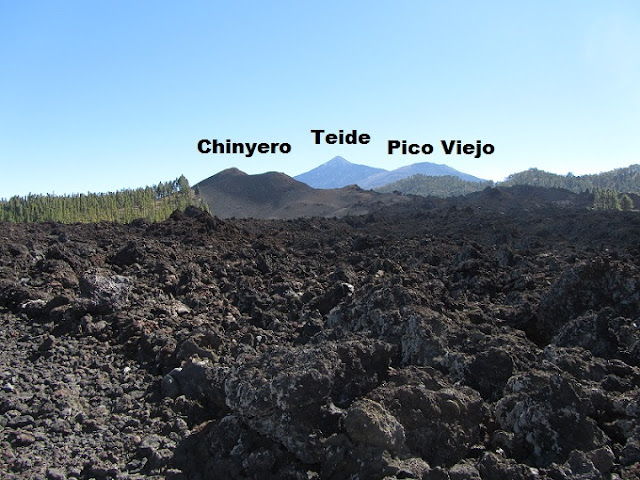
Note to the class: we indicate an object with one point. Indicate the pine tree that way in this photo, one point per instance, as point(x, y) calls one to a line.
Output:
point(625, 202)
point(155, 203)
point(598, 203)
point(183, 184)
point(612, 200)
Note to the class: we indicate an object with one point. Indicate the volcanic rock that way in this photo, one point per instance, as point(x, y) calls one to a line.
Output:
point(429, 340)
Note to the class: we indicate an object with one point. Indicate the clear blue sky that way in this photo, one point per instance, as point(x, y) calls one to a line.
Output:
point(99, 96)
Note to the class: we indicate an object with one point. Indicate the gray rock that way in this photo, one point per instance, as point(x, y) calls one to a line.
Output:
point(108, 291)
point(549, 416)
point(441, 423)
point(198, 379)
point(368, 423)
point(170, 386)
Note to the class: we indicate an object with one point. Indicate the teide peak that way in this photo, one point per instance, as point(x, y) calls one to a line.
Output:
point(337, 173)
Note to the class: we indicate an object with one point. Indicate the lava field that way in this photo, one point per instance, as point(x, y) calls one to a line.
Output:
point(451, 342)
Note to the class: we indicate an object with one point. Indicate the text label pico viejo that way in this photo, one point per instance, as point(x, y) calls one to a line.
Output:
point(394, 147)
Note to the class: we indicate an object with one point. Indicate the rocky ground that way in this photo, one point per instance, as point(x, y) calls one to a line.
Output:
point(448, 342)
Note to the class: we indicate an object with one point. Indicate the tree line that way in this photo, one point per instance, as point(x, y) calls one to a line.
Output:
point(625, 179)
point(606, 199)
point(611, 190)
point(155, 203)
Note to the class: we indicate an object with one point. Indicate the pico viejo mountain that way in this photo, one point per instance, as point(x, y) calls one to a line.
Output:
point(339, 172)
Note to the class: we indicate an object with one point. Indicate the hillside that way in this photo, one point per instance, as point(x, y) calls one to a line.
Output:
point(443, 186)
point(233, 193)
point(625, 179)
point(621, 185)
point(423, 168)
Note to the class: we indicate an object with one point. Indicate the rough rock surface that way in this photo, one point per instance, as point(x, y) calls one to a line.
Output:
point(441, 342)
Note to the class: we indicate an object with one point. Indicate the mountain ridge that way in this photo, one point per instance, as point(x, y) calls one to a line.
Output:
point(625, 179)
point(336, 173)
point(421, 168)
point(339, 172)
point(233, 193)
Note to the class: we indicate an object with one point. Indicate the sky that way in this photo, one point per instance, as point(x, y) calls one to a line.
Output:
point(104, 95)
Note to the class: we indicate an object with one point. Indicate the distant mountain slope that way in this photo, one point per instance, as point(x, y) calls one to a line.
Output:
point(625, 179)
point(271, 187)
point(233, 193)
point(442, 186)
point(423, 168)
point(337, 173)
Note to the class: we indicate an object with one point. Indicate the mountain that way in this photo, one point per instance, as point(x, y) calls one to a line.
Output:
point(337, 173)
point(423, 168)
point(233, 193)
